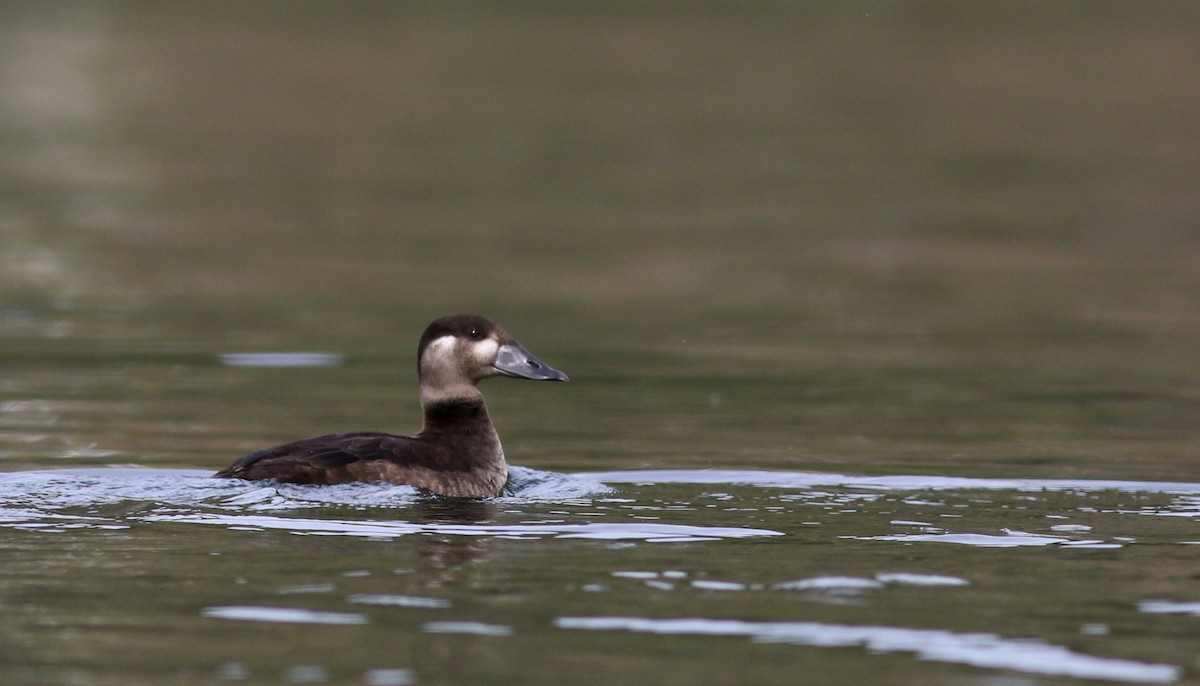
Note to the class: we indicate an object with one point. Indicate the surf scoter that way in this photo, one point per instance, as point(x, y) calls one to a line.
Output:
point(456, 453)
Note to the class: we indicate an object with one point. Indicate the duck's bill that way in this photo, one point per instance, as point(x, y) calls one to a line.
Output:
point(514, 360)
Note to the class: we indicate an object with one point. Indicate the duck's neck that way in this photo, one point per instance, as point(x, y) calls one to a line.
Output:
point(460, 424)
point(455, 416)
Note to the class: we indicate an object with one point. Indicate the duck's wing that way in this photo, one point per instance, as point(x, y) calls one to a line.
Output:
point(340, 458)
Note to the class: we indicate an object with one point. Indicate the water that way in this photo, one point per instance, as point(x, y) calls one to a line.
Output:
point(880, 320)
point(616, 553)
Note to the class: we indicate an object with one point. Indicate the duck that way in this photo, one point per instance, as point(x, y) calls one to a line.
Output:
point(457, 453)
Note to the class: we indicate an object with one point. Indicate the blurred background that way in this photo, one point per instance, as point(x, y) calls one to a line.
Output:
point(865, 236)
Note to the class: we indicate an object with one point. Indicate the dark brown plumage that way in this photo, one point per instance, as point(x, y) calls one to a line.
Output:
point(457, 451)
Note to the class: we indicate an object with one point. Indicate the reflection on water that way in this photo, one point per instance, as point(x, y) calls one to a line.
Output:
point(883, 483)
point(159, 496)
point(163, 495)
point(665, 533)
point(283, 614)
point(1010, 539)
point(398, 601)
point(475, 628)
point(459, 542)
point(979, 650)
point(1170, 607)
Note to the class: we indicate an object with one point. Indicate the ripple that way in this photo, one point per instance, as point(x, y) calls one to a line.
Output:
point(475, 628)
point(1010, 539)
point(35, 500)
point(192, 488)
point(284, 615)
point(886, 483)
point(398, 601)
point(645, 531)
point(55, 501)
point(974, 649)
point(1172, 607)
point(908, 579)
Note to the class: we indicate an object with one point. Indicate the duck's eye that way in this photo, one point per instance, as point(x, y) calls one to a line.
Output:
point(475, 334)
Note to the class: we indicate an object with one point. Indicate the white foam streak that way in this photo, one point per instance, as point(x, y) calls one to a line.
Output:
point(885, 483)
point(974, 649)
point(475, 628)
point(391, 529)
point(283, 615)
point(1169, 607)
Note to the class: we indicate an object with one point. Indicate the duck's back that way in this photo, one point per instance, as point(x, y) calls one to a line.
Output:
point(338, 458)
point(370, 457)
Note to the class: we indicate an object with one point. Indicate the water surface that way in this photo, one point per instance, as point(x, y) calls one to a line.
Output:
point(907, 566)
point(881, 321)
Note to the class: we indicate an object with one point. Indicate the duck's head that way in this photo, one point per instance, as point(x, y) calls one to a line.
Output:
point(458, 351)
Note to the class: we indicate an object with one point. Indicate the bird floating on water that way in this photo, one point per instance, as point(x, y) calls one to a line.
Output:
point(457, 451)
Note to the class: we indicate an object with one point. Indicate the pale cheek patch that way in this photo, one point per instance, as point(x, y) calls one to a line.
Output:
point(439, 350)
point(486, 350)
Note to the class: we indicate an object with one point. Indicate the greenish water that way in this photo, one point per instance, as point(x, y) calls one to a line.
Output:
point(942, 240)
